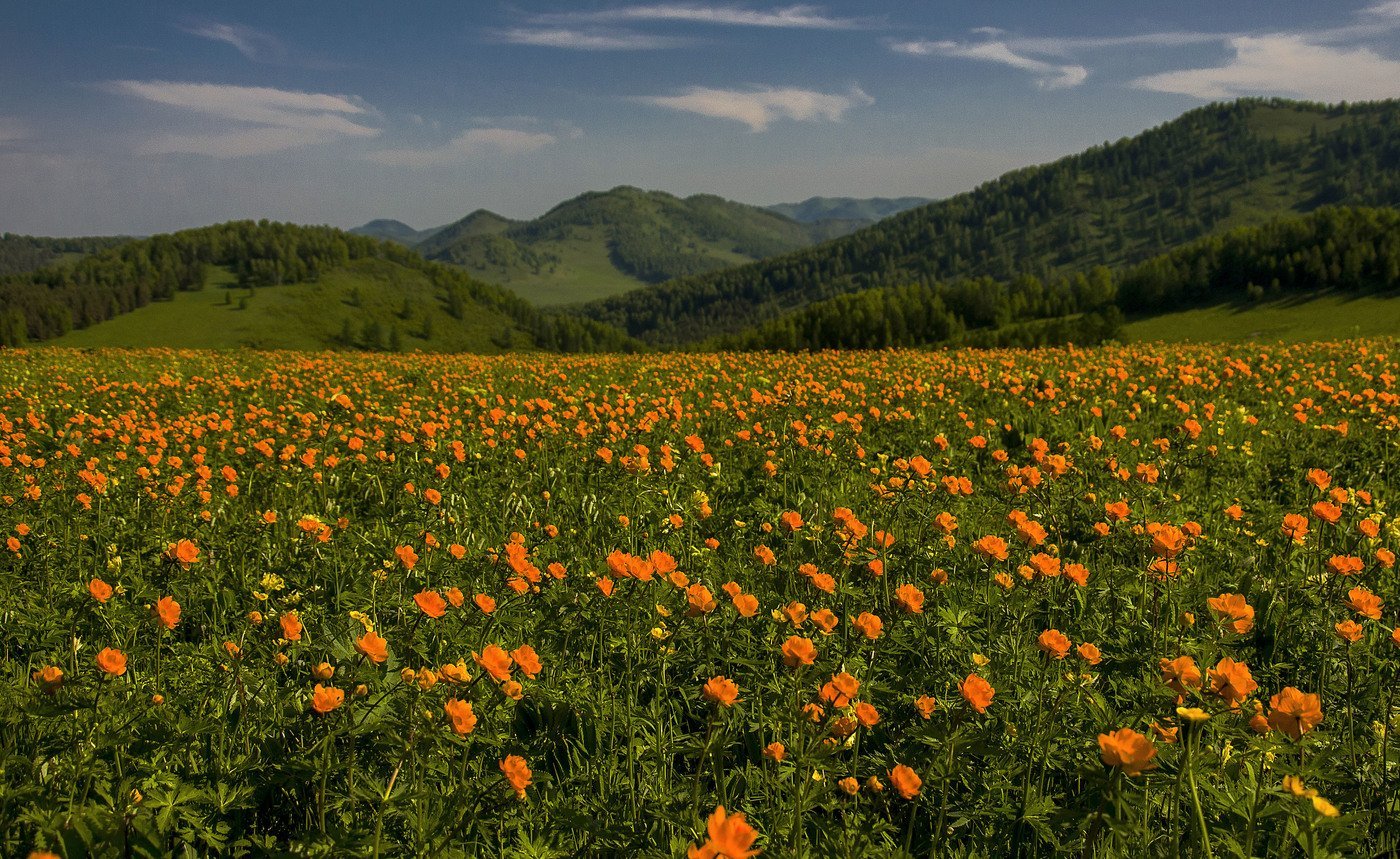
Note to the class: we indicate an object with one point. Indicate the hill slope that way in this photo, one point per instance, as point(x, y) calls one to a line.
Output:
point(1213, 168)
point(869, 209)
point(605, 243)
point(20, 254)
point(275, 285)
point(393, 231)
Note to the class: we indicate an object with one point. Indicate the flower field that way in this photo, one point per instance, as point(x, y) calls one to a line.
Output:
point(1129, 601)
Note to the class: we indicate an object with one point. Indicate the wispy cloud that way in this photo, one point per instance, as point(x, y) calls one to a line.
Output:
point(12, 130)
point(1286, 65)
point(1047, 75)
point(471, 142)
point(280, 119)
point(758, 107)
point(253, 44)
point(591, 39)
point(795, 17)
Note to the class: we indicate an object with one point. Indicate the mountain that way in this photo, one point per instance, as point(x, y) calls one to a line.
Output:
point(391, 230)
point(1213, 168)
point(869, 209)
point(609, 242)
point(269, 285)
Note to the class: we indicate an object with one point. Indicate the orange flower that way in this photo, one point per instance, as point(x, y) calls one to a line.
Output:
point(324, 699)
point(977, 692)
point(1090, 653)
point(991, 547)
point(729, 837)
point(926, 704)
point(1180, 673)
point(906, 782)
point(1350, 631)
point(517, 772)
point(1127, 750)
point(1117, 511)
point(1365, 603)
point(790, 521)
point(167, 612)
point(291, 626)
point(1319, 478)
point(485, 603)
point(1294, 712)
point(1234, 607)
point(182, 552)
point(765, 555)
point(495, 660)
point(605, 585)
point(798, 651)
point(1327, 512)
point(1295, 527)
point(1345, 565)
point(699, 600)
point(406, 556)
point(528, 660)
point(1168, 541)
point(1232, 681)
point(49, 678)
point(100, 590)
point(796, 613)
point(870, 625)
point(747, 604)
point(460, 712)
point(373, 646)
point(910, 599)
point(840, 689)
point(1054, 643)
point(721, 690)
point(776, 751)
point(431, 603)
point(112, 661)
point(867, 715)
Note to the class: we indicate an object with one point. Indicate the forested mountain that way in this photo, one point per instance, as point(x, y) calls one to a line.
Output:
point(249, 257)
point(394, 231)
point(867, 209)
point(20, 254)
point(1217, 167)
point(607, 242)
point(1337, 250)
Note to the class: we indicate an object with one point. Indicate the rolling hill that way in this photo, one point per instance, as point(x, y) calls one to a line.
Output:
point(854, 209)
point(608, 242)
point(1213, 168)
point(20, 254)
point(393, 231)
point(269, 285)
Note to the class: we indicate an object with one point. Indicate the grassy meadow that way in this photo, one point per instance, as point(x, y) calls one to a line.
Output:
point(1128, 601)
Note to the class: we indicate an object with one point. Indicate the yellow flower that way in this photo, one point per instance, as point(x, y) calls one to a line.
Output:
point(1325, 808)
point(272, 583)
point(663, 610)
point(979, 660)
point(363, 619)
point(1192, 714)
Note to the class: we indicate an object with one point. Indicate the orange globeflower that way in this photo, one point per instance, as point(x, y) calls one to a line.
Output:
point(1232, 681)
point(746, 604)
point(870, 625)
point(460, 712)
point(721, 690)
point(729, 836)
point(977, 692)
point(528, 660)
point(1350, 631)
point(324, 699)
point(910, 599)
point(824, 619)
point(100, 590)
point(1054, 643)
point(1365, 603)
point(406, 556)
point(167, 612)
point(1345, 565)
point(1327, 512)
point(776, 751)
point(1090, 653)
point(1168, 541)
point(373, 646)
point(455, 597)
point(49, 678)
point(840, 689)
point(926, 704)
point(1234, 607)
point(991, 547)
point(765, 555)
point(798, 651)
point(699, 600)
point(112, 661)
point(1295, 527)
point(1127, 750)
point(790, 521)
point(495, 660)
point(1294, 712)
point(1179, 673)
point(906, 782)
point(484, 602)
point(291, 626)
point(517, 772)
point(431, 603)
point(183, 552)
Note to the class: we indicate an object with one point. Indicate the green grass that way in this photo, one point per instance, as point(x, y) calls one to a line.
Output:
point(302, 315)
point(1318, 317)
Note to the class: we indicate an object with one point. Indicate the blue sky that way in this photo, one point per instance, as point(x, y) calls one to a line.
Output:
point(148, 116)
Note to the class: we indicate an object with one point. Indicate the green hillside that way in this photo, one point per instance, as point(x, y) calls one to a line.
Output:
point(22, 254)
point(393, 231)
point(1331, 316)
point(1214, 168)
point(605, 243)
point(868, 209)
point(271, 285)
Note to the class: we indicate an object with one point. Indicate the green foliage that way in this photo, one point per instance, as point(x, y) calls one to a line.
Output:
point(20, 254)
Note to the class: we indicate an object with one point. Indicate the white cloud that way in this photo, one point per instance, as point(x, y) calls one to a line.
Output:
point(471, 142)
point(1286, 65)
point(587, 40)
point(281, 119)
point(797, 17)
point(760, 106)
point(1048, 75)
point(256, 46)
point(1390, 9)
point(12, 129)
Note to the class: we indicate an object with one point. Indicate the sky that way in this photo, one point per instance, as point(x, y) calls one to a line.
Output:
point(141, 117)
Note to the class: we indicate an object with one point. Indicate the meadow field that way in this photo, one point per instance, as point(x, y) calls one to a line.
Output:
point(1123, 601)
